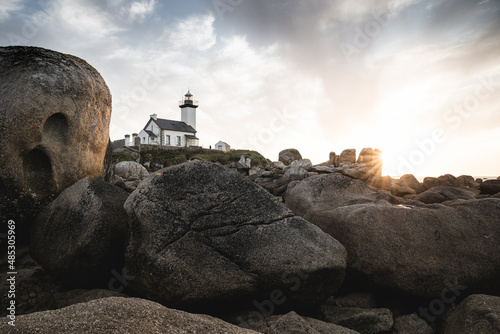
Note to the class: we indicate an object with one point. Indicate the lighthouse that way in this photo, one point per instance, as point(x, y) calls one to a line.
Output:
point(188, 109)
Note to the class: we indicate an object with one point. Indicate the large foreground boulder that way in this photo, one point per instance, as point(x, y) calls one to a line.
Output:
point(118, 315)
point(478, 314)
point(54, 127)
point(413, 248)
point(80, 237)
point(420, 251)
point(203, 235)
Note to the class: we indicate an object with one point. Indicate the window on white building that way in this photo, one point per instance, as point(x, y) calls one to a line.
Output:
point(178, 140)
point(167, 140)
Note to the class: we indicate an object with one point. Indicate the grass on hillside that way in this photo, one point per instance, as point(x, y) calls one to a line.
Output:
point(121, 156)
point(175, 157)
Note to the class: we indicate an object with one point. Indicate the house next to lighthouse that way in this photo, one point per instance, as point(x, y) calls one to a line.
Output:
point(166, 132)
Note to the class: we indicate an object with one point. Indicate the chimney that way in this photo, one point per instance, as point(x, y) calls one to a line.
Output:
point(154, 116)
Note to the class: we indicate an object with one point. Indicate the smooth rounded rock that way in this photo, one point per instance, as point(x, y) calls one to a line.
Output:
point(289, 155)
point(80, 237)
point(55, 111)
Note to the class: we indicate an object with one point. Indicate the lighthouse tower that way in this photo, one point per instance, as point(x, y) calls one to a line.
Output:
point(188, 109)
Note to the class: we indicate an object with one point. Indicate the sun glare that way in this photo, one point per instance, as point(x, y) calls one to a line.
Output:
point(396, 119)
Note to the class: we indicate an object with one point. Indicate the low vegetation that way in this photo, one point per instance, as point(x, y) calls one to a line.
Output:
point(174, 157)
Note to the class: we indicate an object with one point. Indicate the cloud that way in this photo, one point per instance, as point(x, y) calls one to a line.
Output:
point(140, 9)
point(194, 33)
point(7, 7)
point(84, 18)
point(267, 59)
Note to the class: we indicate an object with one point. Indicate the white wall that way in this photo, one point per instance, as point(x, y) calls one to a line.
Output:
point(221, 146)
point(188, 116)
point(145, 137)
point(154, 128)
point(162, 141)
point(173, 137)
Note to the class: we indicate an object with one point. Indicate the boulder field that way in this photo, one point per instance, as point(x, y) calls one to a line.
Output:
point(348, 251)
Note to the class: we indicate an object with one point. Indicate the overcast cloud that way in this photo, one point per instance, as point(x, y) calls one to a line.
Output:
point(316, 75)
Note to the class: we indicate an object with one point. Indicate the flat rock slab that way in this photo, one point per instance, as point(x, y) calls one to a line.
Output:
point(296, 324)
point(119, 315)
point(204, 235)
point(441, 194)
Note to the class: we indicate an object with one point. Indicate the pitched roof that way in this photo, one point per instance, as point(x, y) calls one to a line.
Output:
point(167, 124)
point(151, 133)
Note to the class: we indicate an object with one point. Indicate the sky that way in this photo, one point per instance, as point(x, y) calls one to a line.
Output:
point(418, 79)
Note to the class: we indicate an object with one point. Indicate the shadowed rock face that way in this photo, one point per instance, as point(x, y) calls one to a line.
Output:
point(80, 236)
point(478, 314)
point(54, 126)
point(416, 249)
point(201, 233)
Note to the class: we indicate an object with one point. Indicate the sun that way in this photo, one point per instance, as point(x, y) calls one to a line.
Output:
point(395, 119)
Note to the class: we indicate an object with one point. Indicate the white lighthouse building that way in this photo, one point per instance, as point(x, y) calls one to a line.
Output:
point(188, 109)
point(166, 132)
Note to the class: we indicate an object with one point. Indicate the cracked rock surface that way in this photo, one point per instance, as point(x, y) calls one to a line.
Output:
point(204, 235)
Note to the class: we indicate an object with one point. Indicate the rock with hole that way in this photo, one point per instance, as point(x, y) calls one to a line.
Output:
point(54, 127)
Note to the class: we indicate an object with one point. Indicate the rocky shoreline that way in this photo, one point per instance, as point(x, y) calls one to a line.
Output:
point(203, 248)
